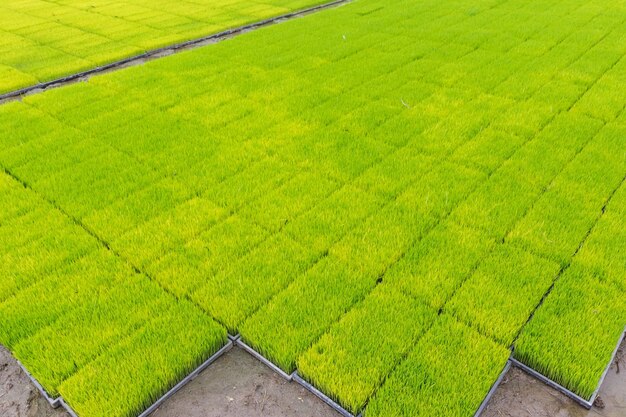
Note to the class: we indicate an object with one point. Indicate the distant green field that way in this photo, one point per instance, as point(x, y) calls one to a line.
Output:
point(45, 40)
point(379, 196)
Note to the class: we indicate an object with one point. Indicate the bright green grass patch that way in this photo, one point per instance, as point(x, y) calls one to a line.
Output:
point(29, 249)
point(573, 334)
point(34, 47)
point(500, 296)
point(158, 236)
point(278, 177)
point(448, 373)
point(159, 199)
point(136, 372)
point(358, 352)
point(602, 252)
point(327, 222)
point(274, 210)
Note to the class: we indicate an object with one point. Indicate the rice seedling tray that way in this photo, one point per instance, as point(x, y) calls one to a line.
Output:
point(59, 402)
point(580, 400)
point(493, 389)
point(319, 394)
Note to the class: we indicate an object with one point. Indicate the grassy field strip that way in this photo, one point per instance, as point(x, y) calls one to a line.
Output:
point(22, 263)
point(598, 265)
point(244, 336)
point(565, 216)
point(608, 334)
point(145, 365)
point(305, 295)
point(41, 41)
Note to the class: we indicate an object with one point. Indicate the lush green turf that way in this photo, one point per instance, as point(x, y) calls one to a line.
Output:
point(45, 40)
point(378, 195)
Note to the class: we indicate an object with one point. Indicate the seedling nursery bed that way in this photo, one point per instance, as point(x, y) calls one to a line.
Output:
point(381, 200)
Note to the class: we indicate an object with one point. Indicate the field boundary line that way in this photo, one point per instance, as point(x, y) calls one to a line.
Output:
point(165, 51)
point(239, 342)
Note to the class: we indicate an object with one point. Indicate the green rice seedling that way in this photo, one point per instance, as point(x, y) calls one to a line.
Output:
point(255, 181)
point(52, 153)
point(244, 286)
point(340, 155)
point(448, 373)
point(496, 216)
point(36, 239)
point(436, 193)
point(139, 208)
point(57, 351)
point(21, 124)
point(79, 38)
point(95, 182)
point(371, 247)
point(503, 292)
point(352, 360)
point(439, 263)
point(274, 210)
point(525, 118)
point(287, 326)
point(488, 149)
point(391, 175)
point(330, 220)
point(573, 334)
point(561, 218)
point(155, 238)
point(29, 263)
point(185, 268)
point(59, 293)
point(275, 185)
point(601, 252)
point(14, 79)
point(141, 368)
point(520, 179)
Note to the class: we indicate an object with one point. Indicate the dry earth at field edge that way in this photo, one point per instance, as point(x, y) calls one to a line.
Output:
point(239, 385)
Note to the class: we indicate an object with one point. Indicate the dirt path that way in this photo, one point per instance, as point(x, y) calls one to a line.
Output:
point(18, 397)
point(237, 385)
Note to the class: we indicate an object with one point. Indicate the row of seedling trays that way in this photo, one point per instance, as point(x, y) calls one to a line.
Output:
point(237, 341)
